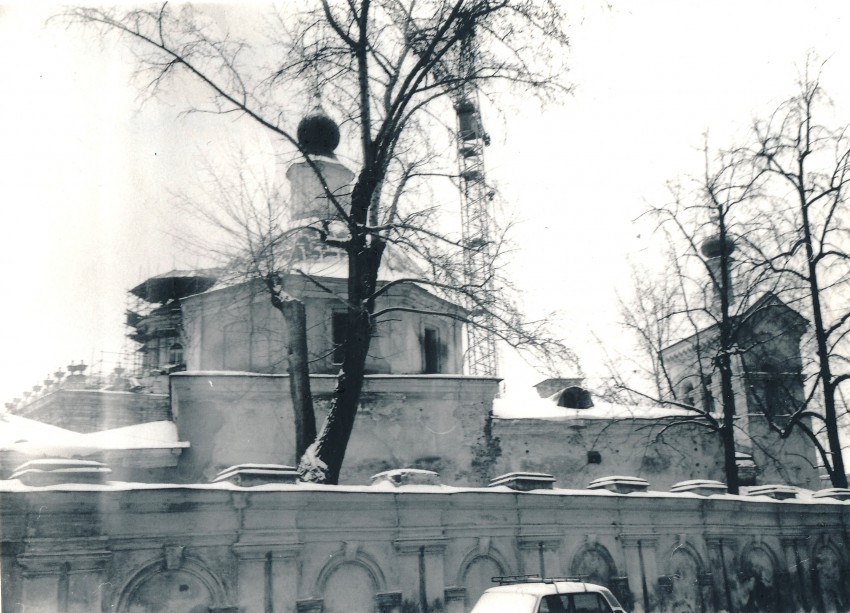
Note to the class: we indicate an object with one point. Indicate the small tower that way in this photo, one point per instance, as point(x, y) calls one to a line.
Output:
point(318, 137)
point(713, 249)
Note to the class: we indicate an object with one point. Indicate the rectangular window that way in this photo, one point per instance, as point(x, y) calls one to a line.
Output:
point(339, 325)
point(431, 350)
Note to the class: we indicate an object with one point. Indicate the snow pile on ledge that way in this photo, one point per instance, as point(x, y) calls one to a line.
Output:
point(31, 437)
point(804, 497)
point(546, 408)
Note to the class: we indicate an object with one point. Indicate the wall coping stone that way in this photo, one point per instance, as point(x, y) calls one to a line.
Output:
point(839, 493)
point(249, 475)
point(524, 481)
point(778, 492)
point(52, 471)
point(406, 476)
point(702, 487)
point(619, 484)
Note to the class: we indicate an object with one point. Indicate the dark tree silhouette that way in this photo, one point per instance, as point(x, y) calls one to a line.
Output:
point(390, 71)
point(805, 241)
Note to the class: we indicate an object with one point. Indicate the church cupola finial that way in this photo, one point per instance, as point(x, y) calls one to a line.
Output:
point(317, 133)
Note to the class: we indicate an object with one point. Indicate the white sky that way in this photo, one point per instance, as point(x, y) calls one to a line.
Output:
point(87, 169)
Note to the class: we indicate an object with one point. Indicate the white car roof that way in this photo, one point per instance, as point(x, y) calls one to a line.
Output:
point(543, 588)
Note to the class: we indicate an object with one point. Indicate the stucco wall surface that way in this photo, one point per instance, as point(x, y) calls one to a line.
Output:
point(635, 447)
point(236, 329)
point(288, 549)
point(444, 423)
point(423, 421)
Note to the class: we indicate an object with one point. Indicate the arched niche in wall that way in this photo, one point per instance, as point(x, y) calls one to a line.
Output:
point(477, 571)
point(575, 398)
point(349, 582)
point(758, 589)
point(830, 577)
point(683, 589)
point(172, 583)
point(594, 564)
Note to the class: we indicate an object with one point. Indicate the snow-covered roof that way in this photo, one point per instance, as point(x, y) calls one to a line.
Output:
point(707, 326)
point(30, 437)
point(547, 408)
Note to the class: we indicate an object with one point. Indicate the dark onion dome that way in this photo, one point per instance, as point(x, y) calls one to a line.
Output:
point(712, 247)
point(318, 134)
point(175, 284)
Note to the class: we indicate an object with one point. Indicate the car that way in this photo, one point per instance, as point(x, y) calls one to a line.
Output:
point(533, 594)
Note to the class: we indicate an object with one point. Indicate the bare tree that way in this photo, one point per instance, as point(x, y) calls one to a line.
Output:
point(705, 299)
point(245, 227)
point(390, 70)
point(806, 243)
point(788, 211)
point(648, 314)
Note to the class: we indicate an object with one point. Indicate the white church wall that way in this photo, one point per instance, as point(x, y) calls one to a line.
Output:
point(236, 328)
point(421, 421)
point(297, 548)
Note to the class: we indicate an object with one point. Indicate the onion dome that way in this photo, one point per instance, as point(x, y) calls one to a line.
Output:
point(318, 134)
point(713, 246)
point(174, 285)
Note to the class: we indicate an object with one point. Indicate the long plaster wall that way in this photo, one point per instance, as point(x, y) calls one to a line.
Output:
point(635, 447)
point(660, 450)
point(288, 549)
point(443, 423)
point(435, 422)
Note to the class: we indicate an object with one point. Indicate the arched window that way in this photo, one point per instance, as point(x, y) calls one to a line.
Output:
point(478, 574)
point(771, 394)
point(175, 354)
point(707, 395)
point(575, 398)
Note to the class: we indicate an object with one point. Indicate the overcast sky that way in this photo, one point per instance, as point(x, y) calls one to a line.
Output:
point(88, 168)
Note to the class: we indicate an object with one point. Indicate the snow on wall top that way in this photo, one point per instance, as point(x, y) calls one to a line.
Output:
point(547, 408)
point(31, 437)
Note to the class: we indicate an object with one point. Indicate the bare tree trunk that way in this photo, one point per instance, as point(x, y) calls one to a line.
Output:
point(724, 359)
point(728, 429)
point(787, 148)
point(323, 460)
point(836, 470)
point(295, 319)
point(299, 375)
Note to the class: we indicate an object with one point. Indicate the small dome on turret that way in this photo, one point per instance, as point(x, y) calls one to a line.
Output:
point(318, 134)
point(712, 247)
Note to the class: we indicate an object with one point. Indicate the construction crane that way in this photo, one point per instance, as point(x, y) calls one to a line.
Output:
point(476, 198)
point(477, 222)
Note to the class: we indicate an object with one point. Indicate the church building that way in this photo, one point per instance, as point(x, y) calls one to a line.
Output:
point(170, 486)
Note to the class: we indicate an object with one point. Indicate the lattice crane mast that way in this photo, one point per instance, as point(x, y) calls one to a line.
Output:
point(477, 222)
point(476, 199)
